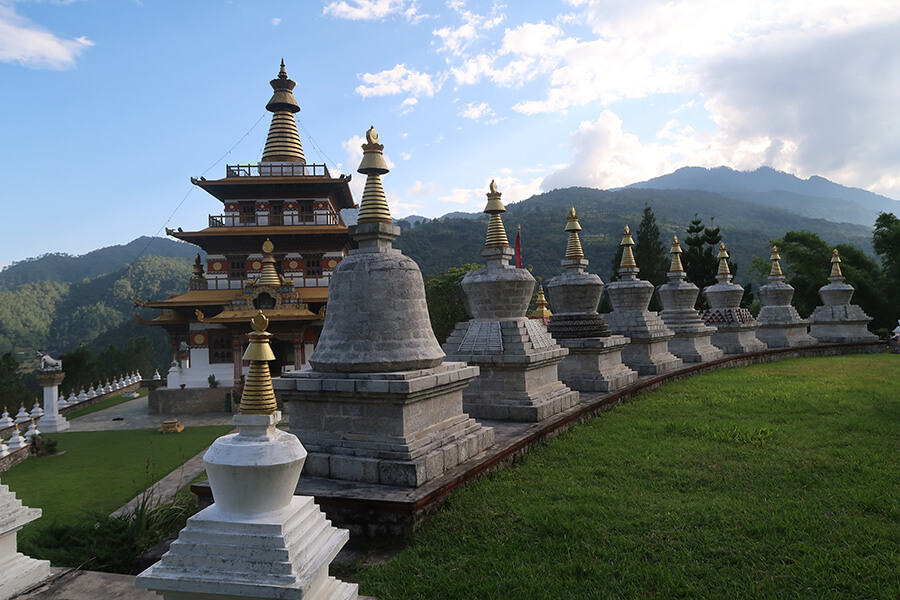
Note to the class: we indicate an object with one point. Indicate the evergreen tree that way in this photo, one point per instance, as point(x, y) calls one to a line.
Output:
point(886, 242)
point(649, 253)
point(12, 385)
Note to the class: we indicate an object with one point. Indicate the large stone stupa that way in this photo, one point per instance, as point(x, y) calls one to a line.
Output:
point(257, 540)
point(780, 326)
point(837, 321)
point(648, 353)
point(594, 363)
point(380, 404)
point(517, 357)
point(735, 326)
point(678, 297)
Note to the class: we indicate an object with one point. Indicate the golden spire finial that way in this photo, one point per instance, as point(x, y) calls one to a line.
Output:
point(283, 142)
point(259, 397)
point(573, 249)
point(269, 276)
point(836, 264)
point(373, 207)
point(541, 312)
point(776, 265)
point(627, 261)
point(496, 235)
point(676, 266)
point(723, 261)
point(198, 274)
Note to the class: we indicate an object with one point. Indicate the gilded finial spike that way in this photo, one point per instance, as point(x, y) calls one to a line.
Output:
point(269, 276)
point(259, 396)
point(676, 266)
point(776, 264)
point(627, 261)
point(573, 249)
point(373, 208)
point(723, 261)
point(283, 142)
point(836, 264)
point(496, 235)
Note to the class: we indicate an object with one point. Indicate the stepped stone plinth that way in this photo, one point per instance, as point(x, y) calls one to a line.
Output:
point(594, 362)
point(50, 420)
point(380, 405)
point(257, 540)
point(735, 326)
point(837, 321)
point(648, 351)
point(678, 297)
point(780, 326)
point(517, 357)
point(17, 571)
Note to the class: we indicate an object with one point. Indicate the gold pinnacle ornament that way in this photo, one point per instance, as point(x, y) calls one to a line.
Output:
point(836, 264)
point(496, 235)
point(258, 397)
point(776, 265)
point(541, 312)
point(627, 261)
point(269, 275)
point(573, 249)
point(676, 266)
point(723, 261)
point(373, 208)
point(283, 142)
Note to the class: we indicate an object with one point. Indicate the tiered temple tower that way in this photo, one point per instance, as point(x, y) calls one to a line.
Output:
point(594, 363)
point(274, 248)
point(735, 326)
point(380, 404)
point(780, 326)
point(517, 357)
point(648, 352)
point(257, 540)
point(678, 297)
point(837, 321)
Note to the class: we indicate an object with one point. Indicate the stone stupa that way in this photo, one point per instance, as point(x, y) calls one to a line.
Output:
point(17, 571)
point(517, 357)
point(780, 326)
point(648, 352)
point(380, 404)
point(735, 326)
point(837, 321)
point(257, 540)
point(678, 297)
point(594, 363)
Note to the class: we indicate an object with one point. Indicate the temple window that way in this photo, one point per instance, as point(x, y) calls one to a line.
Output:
point(220, 348)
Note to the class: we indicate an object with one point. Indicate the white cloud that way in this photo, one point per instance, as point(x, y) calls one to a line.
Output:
point(419, 189)
point(30, 45)
point(478, 112)
point(276, 21)
point(398, 80)
point(407, 105)
point(456, 40)
point(374, 10)
point(510, 186)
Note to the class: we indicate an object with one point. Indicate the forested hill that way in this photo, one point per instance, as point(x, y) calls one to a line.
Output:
point(746, 228)
point(815, 197)
point(63, 268)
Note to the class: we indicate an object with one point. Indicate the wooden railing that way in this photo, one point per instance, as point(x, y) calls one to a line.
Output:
point(276, 170)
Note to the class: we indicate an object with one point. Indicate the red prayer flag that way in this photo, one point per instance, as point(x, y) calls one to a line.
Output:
point(519, 248)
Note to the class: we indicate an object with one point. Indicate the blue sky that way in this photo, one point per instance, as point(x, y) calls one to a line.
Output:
point(110, 106)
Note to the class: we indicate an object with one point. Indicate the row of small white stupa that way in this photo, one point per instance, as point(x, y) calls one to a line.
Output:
point(109, 387)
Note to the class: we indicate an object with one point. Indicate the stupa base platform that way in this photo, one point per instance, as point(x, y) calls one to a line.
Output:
point(786, 335)
point(283, 555)
point(692, 347)
point(52, 423)
point(839, 324)
point(19, 572)
point(650, 356)
point(400, 429)
point(738, 339)
point(595, 364)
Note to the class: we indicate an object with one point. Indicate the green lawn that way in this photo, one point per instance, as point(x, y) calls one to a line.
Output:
point(771, 481)
point(102, 470)
point(108, 402)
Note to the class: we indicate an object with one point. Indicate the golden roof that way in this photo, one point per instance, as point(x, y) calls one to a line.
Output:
point(276, 315)
point(627, 261)
point(723, 261)
point(573, 249)
point(258, 397)
point(776, 265)
point(496, 235)
point(676, 266)
point(283, 141)
point(836, 264)
point(373, 207)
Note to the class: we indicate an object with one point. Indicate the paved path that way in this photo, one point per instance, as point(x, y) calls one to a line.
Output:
point(134, 415)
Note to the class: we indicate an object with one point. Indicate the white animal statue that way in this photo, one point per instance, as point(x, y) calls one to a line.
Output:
point(48, 363)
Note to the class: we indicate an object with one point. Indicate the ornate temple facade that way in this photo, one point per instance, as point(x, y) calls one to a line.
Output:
point(273, 248)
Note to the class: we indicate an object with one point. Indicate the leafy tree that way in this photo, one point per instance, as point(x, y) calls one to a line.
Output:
point(80, 368)
point(886, 242)
point(445, 307)
point(12, 384)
